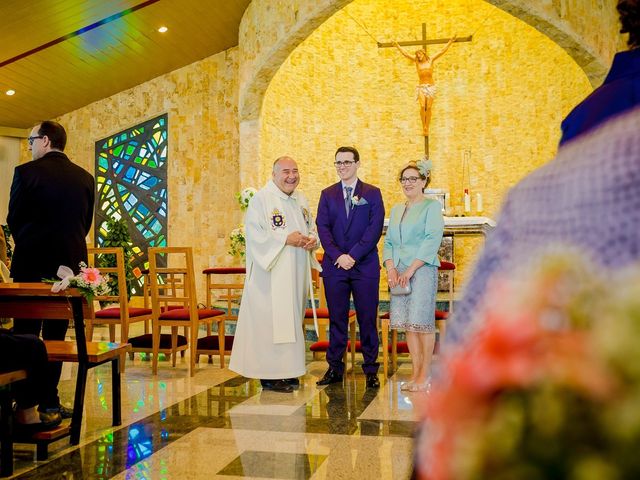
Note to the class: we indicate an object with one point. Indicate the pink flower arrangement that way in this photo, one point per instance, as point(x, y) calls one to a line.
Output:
point(522, 399)
point(89, 281)
point(91, 276)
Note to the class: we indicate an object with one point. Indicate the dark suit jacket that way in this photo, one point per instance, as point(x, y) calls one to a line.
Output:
point(357, 235)
point(50, 214)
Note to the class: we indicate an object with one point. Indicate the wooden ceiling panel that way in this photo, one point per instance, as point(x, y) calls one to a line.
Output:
point(106, 60)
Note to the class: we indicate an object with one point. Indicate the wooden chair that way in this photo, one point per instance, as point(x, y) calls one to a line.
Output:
point(121, 313)
point(229, 294)
point(143, 343)
point(322, 313)
point(441, 324)
point(178, 307)
point(6, 420)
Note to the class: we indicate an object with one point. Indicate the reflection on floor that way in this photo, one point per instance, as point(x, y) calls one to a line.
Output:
point(219, 425)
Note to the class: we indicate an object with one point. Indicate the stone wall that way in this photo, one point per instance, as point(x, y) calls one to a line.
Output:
point(201, 102)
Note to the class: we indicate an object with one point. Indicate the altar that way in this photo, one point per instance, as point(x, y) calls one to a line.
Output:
point(468, 225)
point(462, 225)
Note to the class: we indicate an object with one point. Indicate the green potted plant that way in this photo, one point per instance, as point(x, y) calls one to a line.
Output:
point(118, 236)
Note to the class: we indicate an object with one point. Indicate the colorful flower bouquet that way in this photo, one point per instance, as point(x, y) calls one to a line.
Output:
point(89, 281)
point(548, 387)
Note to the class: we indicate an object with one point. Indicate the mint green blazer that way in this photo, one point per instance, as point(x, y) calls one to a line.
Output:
point(419, 236)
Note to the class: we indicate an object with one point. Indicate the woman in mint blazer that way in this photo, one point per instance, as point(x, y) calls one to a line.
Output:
point(411, 258)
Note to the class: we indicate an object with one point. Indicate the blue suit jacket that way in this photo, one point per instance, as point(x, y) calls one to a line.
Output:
point(357, 235)
point(619, 92)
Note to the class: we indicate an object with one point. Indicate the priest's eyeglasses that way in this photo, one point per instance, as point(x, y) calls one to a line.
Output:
point(346, 163)
point(409, 180)
point(35, 137)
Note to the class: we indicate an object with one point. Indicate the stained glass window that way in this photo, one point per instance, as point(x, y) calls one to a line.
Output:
point(131, 178)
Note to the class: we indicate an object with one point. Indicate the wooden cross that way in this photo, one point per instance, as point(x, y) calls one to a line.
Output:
point(424, 42)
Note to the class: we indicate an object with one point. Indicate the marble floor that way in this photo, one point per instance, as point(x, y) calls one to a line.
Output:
point(220, 425)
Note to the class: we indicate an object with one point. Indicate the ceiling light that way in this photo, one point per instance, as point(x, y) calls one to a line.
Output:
point(10, 92)
point(163, 29)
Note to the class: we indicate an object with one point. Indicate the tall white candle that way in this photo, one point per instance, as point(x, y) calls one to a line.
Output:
point(478, 202)
point(467, 201)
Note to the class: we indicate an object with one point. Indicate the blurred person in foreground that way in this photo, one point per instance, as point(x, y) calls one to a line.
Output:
point(620, 90)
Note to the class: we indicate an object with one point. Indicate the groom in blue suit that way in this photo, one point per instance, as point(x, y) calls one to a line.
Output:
point(350, 219)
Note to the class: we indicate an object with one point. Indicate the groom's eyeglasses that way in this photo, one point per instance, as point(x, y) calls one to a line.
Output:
point(346, 163)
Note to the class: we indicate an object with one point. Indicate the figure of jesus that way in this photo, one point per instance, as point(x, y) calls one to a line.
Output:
point(426, 89)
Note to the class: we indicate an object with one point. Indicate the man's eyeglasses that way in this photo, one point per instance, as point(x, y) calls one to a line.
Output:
point(31, 139)
point(410, 180)
point(346, 163)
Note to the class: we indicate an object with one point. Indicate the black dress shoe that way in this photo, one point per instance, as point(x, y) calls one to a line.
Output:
point(372, 380)
point(330, 377)
point(294, 382)
point(276, 386)
point(65, 412)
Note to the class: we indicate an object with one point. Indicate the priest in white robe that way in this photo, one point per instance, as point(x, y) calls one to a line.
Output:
point(280, 236)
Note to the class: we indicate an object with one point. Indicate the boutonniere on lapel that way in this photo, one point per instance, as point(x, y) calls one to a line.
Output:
point(357, 201)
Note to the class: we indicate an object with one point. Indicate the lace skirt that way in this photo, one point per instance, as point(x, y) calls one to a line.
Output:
point(416, 312)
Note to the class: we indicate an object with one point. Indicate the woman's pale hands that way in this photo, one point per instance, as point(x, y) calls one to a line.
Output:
point(392, 277)
point(404, 279)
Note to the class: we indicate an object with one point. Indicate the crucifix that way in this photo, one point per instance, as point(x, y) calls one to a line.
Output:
point(424, 64)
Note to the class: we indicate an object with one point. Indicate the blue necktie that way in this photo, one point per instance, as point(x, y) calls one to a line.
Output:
point(347, 200)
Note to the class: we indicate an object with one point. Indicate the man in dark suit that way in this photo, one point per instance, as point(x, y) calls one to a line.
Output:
point(350, 219)
point(50, 214)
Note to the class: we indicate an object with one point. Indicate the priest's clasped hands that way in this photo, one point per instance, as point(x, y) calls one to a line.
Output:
point(297, 239)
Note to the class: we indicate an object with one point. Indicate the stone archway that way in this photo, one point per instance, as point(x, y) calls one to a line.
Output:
point(270, 31)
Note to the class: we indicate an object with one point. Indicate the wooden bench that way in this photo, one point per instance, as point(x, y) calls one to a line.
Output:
point(35, 300)
point(6, 420)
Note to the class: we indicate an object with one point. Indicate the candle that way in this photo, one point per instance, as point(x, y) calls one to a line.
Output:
point(478, 202)
point(467, 201)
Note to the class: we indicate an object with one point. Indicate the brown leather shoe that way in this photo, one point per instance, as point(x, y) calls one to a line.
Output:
point(331, 376)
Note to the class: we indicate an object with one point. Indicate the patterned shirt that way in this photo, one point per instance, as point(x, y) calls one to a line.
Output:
point(587, 197)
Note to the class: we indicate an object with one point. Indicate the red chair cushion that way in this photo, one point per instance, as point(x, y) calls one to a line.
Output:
point(444, 265)
point(183, 314)
point(114, 312)
point(324, 345)
point(401, 346)
point(225, 270)
point(211, 342)
point(322, 313)
point(441, 315)
point(171, 307)
point(319, 346)
point(145, 341)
